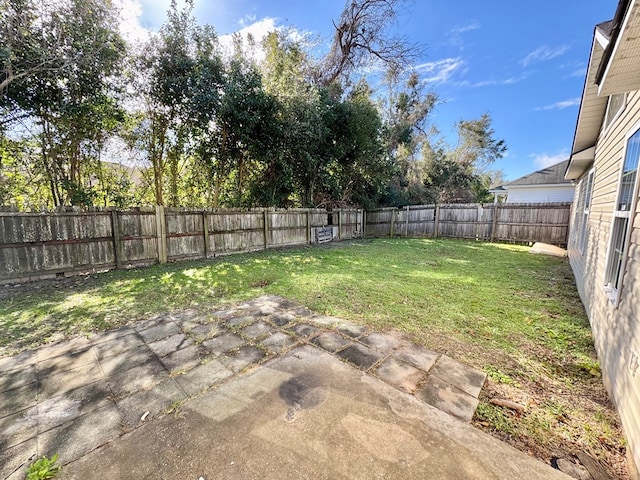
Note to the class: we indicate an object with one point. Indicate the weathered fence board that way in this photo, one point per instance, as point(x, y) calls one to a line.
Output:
point(35, 245)
point(523, 223)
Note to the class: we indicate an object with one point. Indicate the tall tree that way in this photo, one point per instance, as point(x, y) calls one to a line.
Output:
point(74, 107)
point(364, 35)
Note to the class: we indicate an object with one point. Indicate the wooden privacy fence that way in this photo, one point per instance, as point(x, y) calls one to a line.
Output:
point(39, 245)
point(506, 222)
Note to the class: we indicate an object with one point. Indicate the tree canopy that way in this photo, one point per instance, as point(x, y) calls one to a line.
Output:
point(202, 125)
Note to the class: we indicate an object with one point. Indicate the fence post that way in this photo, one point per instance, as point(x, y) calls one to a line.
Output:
point(161, 232)
point(205, 233)
point(436, 222)
point(478, 218)
point(339, 224)
point(393, 221)
point(308, 225)
point(266, 228)
point(494, 224)
point(364, 223)
point(117, 246)
point(426, 225)
point(406, 223)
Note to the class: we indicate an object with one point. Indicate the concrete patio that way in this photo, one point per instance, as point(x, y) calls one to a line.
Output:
point(265, 389)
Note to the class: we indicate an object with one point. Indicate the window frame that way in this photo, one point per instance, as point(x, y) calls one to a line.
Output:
point(587, 199)
point(610, 120)
point(621, 226)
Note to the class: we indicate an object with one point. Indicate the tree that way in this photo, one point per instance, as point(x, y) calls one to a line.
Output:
point(460, 175)
point(73, 107)
point(363, 36)
point(476, 145)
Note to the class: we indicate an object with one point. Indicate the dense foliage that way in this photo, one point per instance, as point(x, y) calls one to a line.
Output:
point(87, 119)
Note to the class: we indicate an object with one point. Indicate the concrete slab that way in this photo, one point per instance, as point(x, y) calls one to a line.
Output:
point(418, 357)
point(381, 342)
point(223, 343)
point(84, 434)
point(18, 377)
point(203, 377)
point(54, 411)
point(203, 332)
point(461, 376)
point(15, 460)
point(361, 356)
point(142, 377)
point(257, 330)
point(51, 384)
point(238, 359)
point(302, 416)
point(304, 330)
point(67, 361)
point(148, 404)
point(28, 357)
point(401, 375)
point(170, 344)
point(350, 329)
point(331, 341)
point(184, 359)
point(18, 399)
point(444, 396)
point(157, 332)
point(63, 347)
point(278, 342)
point(282, 319)
point(240, 321)
point(118, 345)
point(546, 249)
point(101, 337)
point(17, 428)
point(133, 358)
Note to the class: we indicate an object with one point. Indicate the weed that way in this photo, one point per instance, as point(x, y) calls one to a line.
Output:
point(43, 468)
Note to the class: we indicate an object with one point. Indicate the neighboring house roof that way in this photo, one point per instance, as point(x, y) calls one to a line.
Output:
point(614, 68)
point(552, 175)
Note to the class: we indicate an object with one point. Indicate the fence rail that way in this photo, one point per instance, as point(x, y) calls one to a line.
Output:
point(508, 222)
point(40, 245)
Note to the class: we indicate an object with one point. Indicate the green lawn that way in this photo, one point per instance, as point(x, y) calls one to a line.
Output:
point(515, 315)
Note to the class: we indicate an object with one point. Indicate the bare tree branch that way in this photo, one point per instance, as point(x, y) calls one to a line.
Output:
point(363, 35)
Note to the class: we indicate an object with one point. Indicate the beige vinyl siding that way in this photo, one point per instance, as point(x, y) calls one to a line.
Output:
point(616, 329)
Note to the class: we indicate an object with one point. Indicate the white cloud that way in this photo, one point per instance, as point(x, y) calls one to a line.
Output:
point(465, 28)
point(130, 12)
point(571, 102)
point(544, 160)
point(491, 82)
point(258, 30)
point(247, 20)
point(440, 71)
point(544, 53)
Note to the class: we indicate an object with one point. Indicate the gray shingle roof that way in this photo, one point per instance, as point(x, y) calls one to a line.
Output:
point(547, 176)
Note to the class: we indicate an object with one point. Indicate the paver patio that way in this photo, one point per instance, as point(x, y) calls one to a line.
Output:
point(73, 397)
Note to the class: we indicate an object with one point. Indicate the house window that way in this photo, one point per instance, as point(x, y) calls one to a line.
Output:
point(621, 217)
point(615, 105)
point(587, 184)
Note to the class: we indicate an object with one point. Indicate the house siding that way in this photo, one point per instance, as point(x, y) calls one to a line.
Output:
point(542, 194)
point(616, 329)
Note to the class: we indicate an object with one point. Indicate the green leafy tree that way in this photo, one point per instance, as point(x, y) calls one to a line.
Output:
point(72, 106)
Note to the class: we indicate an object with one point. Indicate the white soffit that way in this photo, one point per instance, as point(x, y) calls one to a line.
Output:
point(580, 162)
point(622, 74)
point(592, 107)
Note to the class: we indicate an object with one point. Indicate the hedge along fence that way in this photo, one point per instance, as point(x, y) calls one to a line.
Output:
point(506, 222)
point(40, 245)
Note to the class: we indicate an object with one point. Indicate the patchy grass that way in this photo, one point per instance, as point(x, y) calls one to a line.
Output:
point(516, 316)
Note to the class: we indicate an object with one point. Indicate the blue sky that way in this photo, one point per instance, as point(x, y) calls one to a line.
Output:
point(523, 62)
